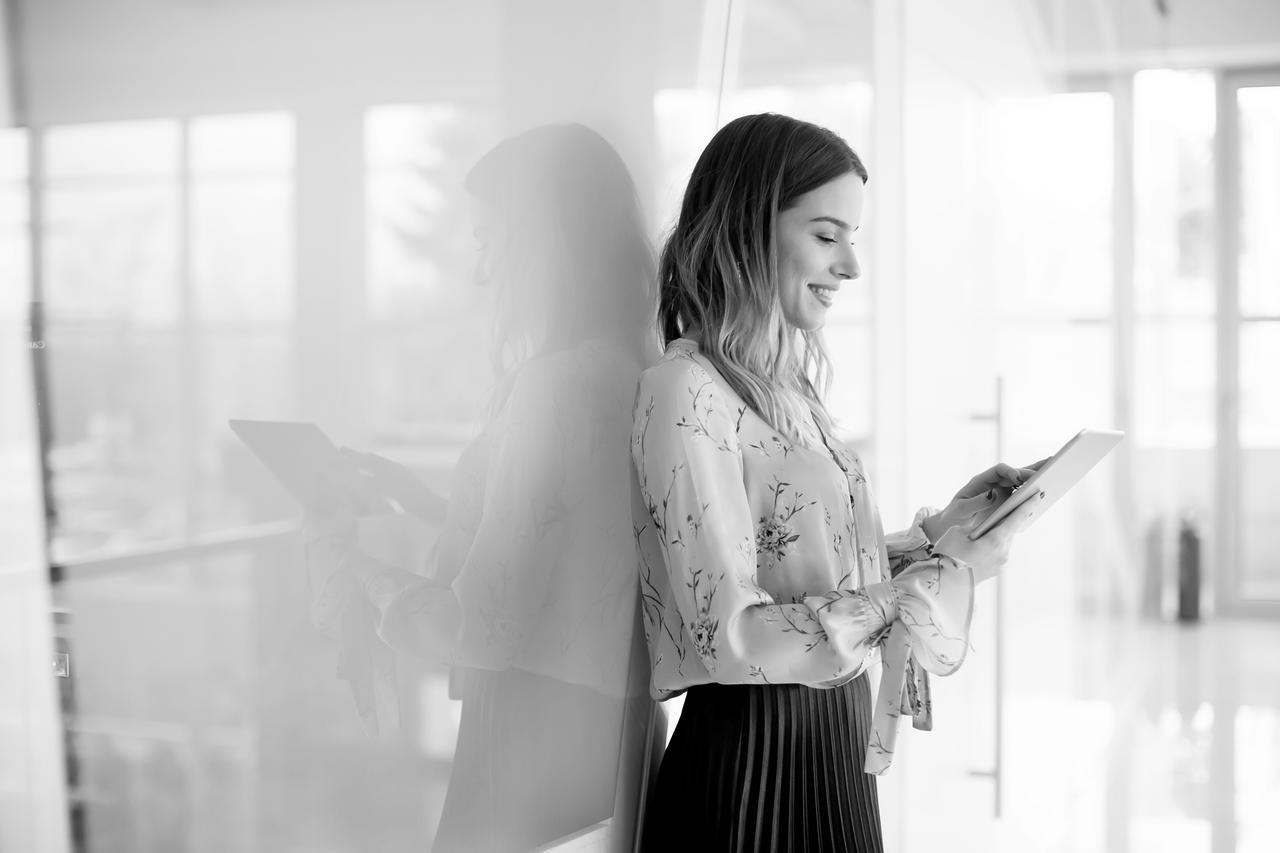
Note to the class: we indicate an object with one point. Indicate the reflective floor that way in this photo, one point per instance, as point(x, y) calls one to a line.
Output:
point(1163, 738)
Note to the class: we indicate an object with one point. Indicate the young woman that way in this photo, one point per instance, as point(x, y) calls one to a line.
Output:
point(768, 585)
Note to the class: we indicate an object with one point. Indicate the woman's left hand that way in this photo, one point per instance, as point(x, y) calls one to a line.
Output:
point(978, 498)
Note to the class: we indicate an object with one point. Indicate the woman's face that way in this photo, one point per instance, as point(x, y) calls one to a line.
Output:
point(815, 249)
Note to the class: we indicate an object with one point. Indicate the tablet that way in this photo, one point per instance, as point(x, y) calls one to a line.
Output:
point(302, 458)
point(1056, 477)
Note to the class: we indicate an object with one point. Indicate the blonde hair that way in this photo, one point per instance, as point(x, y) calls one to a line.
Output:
point(718, 270)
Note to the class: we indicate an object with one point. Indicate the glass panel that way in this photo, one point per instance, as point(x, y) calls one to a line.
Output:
point(117, 451)
point(1259, 199)
point(1258, 575)
point(242, 218)
point(242, 249)
point(15, 246)
point(1173, 187)
point(1259, 461)
point(1049, 396)
point(851, 345)
point(676, 112)
point(1257, 771)
point(1174, 384)
point(33, 803)
point(1259, 400)
point(1057, 154)
point(255, 142)
point(1055, 396)
point(111, 253)
point(14, 144)
point(112, 150)
point(420, 254)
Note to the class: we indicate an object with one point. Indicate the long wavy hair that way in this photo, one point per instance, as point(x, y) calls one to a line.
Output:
point(718, 271)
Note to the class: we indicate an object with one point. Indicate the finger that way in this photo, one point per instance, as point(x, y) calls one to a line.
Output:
point(1005, 474)
point(1006, 471)
point(997, 475)
point(1015, 521)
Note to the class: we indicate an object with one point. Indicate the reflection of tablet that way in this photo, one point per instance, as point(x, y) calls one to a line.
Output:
point(301, 456)
point(1056, 477)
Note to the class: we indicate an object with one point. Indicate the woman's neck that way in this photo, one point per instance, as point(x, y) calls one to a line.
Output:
point(692, 334)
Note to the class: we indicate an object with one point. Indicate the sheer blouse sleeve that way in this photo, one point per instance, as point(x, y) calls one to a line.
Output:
point(689, 461)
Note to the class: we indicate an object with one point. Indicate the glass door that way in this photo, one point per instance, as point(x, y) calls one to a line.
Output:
point(1249, 346)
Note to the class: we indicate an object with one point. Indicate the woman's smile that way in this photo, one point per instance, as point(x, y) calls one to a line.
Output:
point(824, 293)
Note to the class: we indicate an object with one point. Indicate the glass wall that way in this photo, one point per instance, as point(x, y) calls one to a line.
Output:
point(302, 239)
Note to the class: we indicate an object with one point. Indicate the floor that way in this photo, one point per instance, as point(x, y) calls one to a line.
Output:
point(1126, 736)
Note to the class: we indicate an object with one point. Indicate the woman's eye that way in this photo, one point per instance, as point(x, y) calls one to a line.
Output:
point(824, 238)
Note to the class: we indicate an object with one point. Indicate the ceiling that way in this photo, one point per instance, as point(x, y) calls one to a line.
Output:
point(1100, 35)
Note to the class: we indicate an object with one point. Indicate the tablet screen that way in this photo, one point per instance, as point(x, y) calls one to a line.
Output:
point(1057, 476)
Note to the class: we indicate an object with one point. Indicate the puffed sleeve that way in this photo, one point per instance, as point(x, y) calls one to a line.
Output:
point(687, 454)
point(929, 634)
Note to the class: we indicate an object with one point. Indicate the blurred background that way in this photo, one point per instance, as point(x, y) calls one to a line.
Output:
point(253, 208)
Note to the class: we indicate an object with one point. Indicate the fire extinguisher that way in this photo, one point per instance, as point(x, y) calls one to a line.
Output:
point(1188, 571)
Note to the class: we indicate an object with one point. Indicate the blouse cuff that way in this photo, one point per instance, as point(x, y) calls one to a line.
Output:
point(930, 635)
point(911, 545)
point(916, 530)
point(935, 603)
point(856, 617)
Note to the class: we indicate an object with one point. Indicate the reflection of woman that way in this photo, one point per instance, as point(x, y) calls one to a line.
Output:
point(532, 593)
point(768, 585)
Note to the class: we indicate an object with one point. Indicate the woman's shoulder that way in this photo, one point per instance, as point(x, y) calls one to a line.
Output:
point(685, 384)
point(681, 366)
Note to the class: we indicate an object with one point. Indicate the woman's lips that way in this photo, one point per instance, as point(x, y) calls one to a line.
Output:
point(824, 295)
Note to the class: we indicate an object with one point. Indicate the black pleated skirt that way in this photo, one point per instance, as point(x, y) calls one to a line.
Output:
point(767, 767)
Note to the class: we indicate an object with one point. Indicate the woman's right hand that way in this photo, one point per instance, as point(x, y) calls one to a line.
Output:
point(988, 553)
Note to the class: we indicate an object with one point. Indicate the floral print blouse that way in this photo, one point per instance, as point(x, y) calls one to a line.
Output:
point(763, 561)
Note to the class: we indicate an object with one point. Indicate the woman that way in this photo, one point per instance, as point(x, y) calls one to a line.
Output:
point(768, 585)
point(530, 595)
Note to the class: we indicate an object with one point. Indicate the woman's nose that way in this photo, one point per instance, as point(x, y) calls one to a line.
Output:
point(847, 265)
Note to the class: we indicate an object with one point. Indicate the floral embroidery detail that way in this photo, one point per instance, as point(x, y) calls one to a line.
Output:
point(773, 536)
point(801, 620)
point(774, 533)
point(703, 631)
point(780, 446)
point(700, 426)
